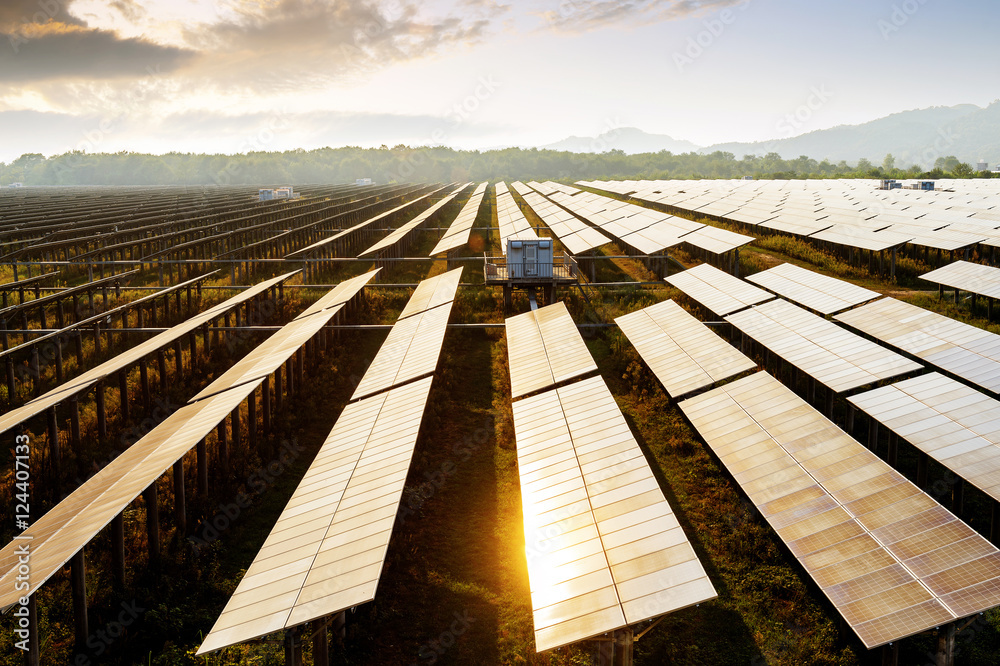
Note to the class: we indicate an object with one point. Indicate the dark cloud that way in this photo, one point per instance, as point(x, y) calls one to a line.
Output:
point(58, 51)
point(16, 13)
point(41, 40)
point(585, 15)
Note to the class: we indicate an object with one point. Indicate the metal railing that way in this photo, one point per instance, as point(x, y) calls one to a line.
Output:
point(562, 267)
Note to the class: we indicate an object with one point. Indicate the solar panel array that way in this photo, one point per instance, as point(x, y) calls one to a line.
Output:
point(327, 549)
point(458, 233)
point(9, 312)
point(954, 424)
point(852, 213)
point(398, 234)
point(112, 312)
point(577, 236)
point(604, 548)
point(891, 560)
point(73, 522)
point(681, 351)
point(832, 355)
point(644, 230)
point(717, 290)
point(85, 380)
point(544, 348)
point(513, 224)
point(966, 351)
point(328, 242)
point(812, 290)
point(414, 343)
point(966, 276)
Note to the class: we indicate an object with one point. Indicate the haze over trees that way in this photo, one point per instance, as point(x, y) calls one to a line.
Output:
point(403, 163)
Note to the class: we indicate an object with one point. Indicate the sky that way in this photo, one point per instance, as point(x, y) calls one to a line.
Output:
point(241, 75)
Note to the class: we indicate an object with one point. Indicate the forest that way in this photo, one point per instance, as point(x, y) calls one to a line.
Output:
point(403, 163)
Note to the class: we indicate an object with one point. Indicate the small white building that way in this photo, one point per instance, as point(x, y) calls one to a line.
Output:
point(265, 195)
point(363, 181)
point(982, 165)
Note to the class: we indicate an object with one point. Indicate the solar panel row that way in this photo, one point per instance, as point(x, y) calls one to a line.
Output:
point(328, 547)
point(75, 521)
point(891, 560)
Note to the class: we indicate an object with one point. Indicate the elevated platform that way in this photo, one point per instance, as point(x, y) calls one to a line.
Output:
point(562, 271)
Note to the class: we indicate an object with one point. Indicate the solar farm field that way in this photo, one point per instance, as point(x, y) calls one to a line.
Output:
point(593, 422)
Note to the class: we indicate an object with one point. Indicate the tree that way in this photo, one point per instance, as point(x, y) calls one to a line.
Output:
point(963, 170)
point(889, 163)
point(946, 163)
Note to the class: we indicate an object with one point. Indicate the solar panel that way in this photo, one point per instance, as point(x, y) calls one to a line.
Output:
point(571, 232)
point(512, 223)
point(604, 548)
point(72, 523)
point(717, 290)
point(954, 424)
point(544, 348)
point(891, 560)
point(284, 342)
point(433, 292)
point(862, 237)
point(87, 379)
point(398, 234)
point(414, 344)
point(826, 352)
point(327, 549)
point(681, 351)
point(812, 290)
point(458, 233)
point(942, 239)
point(960, 349)
point(967, 276)
point(716, 240)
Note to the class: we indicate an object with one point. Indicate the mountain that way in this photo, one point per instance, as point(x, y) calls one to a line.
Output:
point(917, 137)
point(627, 139)
point(913, 137)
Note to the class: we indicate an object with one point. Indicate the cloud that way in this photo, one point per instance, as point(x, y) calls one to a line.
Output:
point(42, 40)
point(287, 43)
point(587, 15)
point(15, 13)
point(66, 51)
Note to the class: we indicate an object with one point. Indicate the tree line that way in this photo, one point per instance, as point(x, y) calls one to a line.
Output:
point(404, 163)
